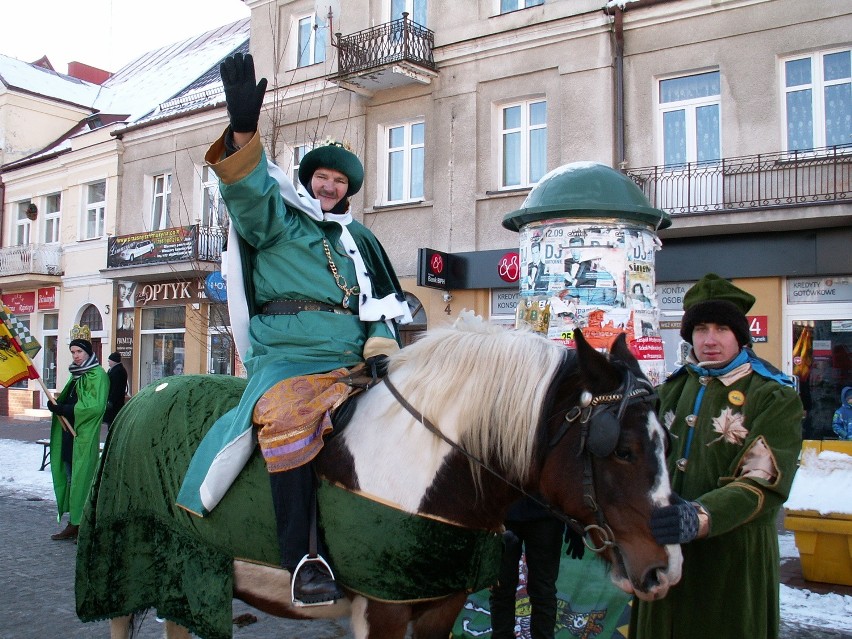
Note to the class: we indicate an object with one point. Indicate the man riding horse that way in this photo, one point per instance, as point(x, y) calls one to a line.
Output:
point(322, 296)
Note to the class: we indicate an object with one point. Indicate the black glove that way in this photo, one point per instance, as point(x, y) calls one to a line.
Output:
point(675, 524)
point(377, 365)
point(243, 97)
point(61, 410)
point(575, 545)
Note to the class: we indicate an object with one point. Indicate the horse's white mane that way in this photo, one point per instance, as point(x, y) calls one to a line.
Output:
point(489, 381)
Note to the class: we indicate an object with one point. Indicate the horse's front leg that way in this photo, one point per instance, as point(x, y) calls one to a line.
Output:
point(175, 631)
point(119, 627)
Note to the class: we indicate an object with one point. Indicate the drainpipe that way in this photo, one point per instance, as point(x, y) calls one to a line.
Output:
point(617, 11)
point(2, 206)
point(620, 150)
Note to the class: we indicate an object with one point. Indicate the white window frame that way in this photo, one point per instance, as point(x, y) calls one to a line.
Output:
point(95, 212)
point(525, 129)
point(299, 151)
point(416, 10)
point(23, 225)
point(518, 5)
point(817, 87)
point(51, 218)
point(407, 150)
point(160, 201)
point(213, 212)
point(690, 108)
point(316, 51)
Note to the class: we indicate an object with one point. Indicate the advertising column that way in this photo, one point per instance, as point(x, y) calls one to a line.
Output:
point(587, 245)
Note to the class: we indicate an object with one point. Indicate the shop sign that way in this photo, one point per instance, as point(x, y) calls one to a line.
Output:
point(504, 301)
point(169, 293)
point(434, 269)
point(20, 303)
point(819, 290)
point(670, 295)
point(509, 267)
point(215, 287)
point(758, 326)
point(47, 298)
point(166, 245)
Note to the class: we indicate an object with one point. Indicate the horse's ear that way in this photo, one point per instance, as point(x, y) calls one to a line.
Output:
point(621, 352)
point(599, 374)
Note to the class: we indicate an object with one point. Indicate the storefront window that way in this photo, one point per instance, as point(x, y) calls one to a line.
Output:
point(162, 349)
point(220, 343)
point(50, 324)
point(822, 361)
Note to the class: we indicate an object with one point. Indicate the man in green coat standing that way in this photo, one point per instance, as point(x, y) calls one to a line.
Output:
point(736, 434)
point(74, 458)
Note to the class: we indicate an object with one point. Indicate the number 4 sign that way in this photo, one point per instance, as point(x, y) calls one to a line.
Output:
point(758, 326)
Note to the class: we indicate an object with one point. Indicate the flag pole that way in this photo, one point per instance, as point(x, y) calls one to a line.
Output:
point(66, 425)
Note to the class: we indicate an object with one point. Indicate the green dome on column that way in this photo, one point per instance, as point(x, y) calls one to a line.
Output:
point(586, 189)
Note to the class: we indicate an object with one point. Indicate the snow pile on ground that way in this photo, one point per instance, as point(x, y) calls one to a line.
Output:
point(823, 483)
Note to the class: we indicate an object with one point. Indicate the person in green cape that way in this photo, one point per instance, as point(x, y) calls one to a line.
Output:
point(736, 434)
point(74, 457)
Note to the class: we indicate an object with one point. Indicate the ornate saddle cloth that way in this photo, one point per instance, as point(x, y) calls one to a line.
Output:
point(293, 416)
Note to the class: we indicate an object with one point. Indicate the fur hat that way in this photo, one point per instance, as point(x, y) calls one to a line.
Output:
point(715, 300)
point(115, 357)
point(84, 344)
point(333, 156)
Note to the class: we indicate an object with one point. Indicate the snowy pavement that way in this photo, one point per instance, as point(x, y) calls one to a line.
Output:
point(20, 477)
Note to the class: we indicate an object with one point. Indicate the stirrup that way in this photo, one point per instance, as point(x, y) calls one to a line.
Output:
point(308, 559)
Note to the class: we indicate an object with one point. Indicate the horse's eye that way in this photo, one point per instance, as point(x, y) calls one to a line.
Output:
point(623, 454)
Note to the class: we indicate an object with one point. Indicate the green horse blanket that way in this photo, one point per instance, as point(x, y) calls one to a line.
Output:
point(137, 549)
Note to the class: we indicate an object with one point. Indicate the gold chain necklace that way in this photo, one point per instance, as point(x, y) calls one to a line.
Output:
point(338, 278)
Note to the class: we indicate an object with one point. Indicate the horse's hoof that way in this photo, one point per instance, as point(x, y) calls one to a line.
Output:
point(70, 532)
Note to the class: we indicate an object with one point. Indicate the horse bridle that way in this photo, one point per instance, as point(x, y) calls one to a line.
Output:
point(594, 410)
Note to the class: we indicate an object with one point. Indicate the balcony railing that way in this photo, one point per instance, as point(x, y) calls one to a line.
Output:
point(767, 180)
point(399, 40)
point(31, 259)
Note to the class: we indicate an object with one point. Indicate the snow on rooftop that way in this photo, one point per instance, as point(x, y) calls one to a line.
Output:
point(141, 86)
point(15, 73)
point(160, 75)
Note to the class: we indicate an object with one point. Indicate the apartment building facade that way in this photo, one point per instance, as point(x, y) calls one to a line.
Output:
point(731, 115)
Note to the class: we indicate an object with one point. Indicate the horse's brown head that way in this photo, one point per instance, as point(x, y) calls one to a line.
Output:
point(602, 428)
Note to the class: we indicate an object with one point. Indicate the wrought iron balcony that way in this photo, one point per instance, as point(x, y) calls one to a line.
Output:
point(389, 55)
point(31, 259)
point(768, 180)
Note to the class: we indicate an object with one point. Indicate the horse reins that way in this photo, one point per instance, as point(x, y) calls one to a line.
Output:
point(590, 407)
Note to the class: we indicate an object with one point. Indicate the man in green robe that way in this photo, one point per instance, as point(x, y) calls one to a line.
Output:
point(324, 296)
point(736, 434)
point(74, 458)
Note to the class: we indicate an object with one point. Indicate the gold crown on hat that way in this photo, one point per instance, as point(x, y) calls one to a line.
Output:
point(330, 141)
point(81, 332)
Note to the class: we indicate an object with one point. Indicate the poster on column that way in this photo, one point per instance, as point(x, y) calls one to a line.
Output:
point(594, 276)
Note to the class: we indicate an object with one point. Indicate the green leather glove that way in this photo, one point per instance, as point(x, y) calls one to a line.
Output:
point(242, 96)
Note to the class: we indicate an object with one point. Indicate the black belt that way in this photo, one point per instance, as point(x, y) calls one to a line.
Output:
point(292, 307)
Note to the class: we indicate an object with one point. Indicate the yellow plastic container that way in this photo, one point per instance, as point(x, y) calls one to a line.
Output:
point(824, 541)
point(825, 545)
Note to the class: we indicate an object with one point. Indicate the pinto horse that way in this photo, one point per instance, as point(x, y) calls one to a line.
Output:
point(413, 491)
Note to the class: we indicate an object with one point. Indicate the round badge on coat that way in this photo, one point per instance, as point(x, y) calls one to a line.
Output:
point(736, 398)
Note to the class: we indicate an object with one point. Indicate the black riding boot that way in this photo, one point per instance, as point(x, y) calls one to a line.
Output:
point(293, 492)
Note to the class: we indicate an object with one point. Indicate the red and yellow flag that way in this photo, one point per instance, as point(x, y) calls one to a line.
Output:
point(14, 364)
